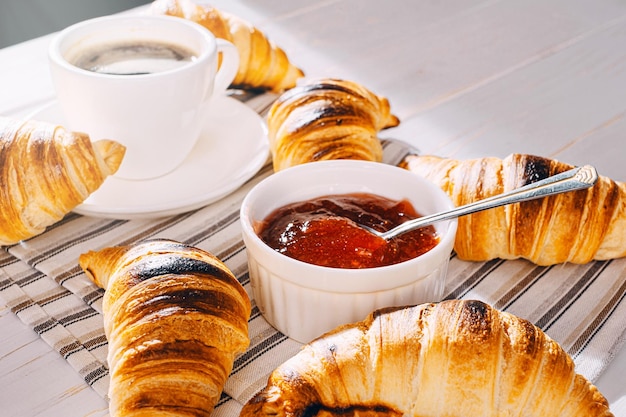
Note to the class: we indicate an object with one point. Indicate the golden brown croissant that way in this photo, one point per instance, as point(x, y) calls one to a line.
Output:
point(451, 359)
point(327, 119)
point(573, 227)
point(175, 318)
point(46, 171)
point(262, 64)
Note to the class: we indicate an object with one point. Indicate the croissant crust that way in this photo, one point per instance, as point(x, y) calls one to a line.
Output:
point(454, 358)
point(175, 317)
point(327, 119)
point(575, 227)
point(46, 171)
point(262, 64)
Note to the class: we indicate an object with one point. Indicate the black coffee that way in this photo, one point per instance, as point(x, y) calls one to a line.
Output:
point(133, 58)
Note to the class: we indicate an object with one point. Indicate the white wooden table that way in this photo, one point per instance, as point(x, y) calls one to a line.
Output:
point(467, 79)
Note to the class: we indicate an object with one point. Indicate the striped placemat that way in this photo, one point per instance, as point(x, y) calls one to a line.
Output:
point(580, 306)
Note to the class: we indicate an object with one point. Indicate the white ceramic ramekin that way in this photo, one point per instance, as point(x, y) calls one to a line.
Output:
point(302, 300)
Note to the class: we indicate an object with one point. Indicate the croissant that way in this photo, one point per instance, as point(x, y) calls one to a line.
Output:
point(327, 119)
point(175, 317)
point(574, 227)
point(46, 171)
point(262, 64)
point(454, 358)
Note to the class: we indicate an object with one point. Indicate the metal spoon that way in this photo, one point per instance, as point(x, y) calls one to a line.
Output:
point(574, 179)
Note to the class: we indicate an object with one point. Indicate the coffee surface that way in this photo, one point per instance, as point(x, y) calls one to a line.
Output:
point(133, 58)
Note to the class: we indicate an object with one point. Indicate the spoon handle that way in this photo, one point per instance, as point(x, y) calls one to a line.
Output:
point(574, 179)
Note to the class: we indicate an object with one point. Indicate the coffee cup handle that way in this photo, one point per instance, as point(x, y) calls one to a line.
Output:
point(229, 66)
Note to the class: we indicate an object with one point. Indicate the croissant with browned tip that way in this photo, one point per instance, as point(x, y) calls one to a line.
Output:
point(327, 119)
point(45, 172)
point(262, 64)
point(575, 227)
point(450, 359)
point(175, 317)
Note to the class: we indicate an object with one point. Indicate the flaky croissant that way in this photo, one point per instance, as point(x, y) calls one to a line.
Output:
point(451, 359)
point(327, 119)
point(45, 172)
point(262, 64)
point(175, 318)
point(574, 227)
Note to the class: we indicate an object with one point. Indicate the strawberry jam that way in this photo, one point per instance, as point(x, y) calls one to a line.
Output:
point(324, 231)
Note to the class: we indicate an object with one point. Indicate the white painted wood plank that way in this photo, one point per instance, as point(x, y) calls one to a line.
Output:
point(268, 12)
point(37, 381)
point(602, 147)
point(562, 106)
point(443, 48)
point(612, 382)
point(29, 61)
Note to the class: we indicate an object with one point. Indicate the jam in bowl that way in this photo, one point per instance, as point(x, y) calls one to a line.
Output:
point(326, 231)
point(303, 300)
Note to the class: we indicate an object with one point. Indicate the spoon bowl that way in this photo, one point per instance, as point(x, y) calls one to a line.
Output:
point(574, 179)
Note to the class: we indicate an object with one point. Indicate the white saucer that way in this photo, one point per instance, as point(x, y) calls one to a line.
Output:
point(232, 149)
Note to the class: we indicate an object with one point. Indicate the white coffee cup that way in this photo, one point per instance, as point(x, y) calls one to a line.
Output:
point(158, 116)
